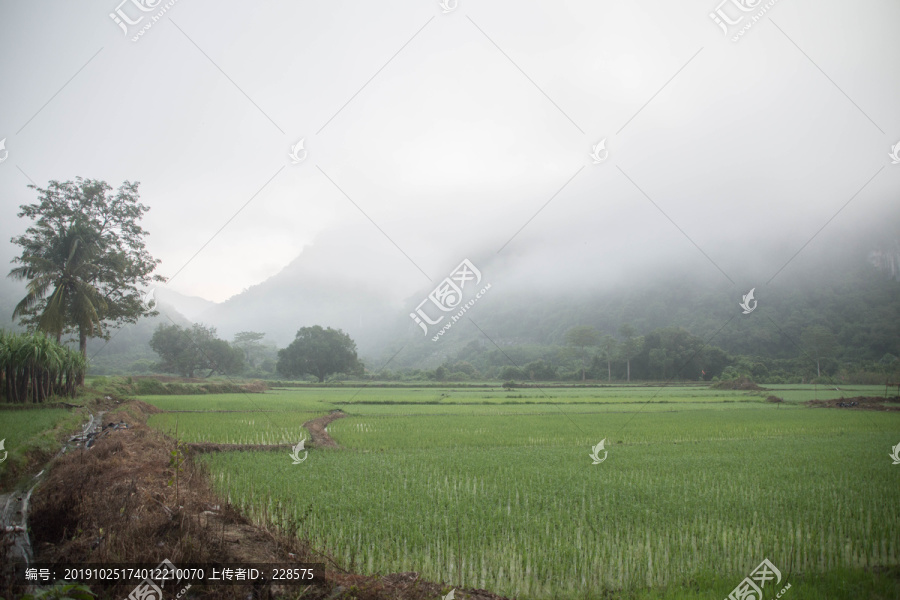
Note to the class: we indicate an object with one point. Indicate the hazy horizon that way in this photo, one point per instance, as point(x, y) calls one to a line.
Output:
point(436, 137)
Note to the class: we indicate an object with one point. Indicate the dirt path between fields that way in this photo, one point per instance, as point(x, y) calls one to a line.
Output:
point(318, 429)
point(858, 403)
point(207, 447)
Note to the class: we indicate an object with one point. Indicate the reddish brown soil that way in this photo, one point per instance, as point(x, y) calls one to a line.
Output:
point(862, 403)
point(316, 428)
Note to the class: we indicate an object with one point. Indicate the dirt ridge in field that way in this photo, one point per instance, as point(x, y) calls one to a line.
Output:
point(858, 403)
point(116, 503)
point(209, 447)
point(318, 429)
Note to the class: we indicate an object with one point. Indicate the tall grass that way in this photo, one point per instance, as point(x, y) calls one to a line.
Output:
point(33, 368)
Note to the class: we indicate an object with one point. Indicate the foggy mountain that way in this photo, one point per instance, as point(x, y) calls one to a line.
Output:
point(317, 288)
point(128, 349)
point(354, 278)
point(190, 307)
point(536, 298)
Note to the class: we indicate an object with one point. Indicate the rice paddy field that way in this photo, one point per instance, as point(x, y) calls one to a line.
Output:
point(495, 489)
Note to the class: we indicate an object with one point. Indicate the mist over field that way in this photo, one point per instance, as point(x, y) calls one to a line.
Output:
point(452, 299)
point(434, 137)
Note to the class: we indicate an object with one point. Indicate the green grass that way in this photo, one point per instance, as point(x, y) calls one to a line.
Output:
point(29, 430)
point(478, 489)
point(274, 401)
point(235, 428)
point(753, 422)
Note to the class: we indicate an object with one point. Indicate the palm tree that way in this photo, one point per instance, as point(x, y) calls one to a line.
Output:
point(68, 266)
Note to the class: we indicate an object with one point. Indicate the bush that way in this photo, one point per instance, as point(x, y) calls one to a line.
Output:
point(142, 366)
point(151, 386)
point(509, 373)
point(739, 383)
point(147, 387)
point(99, 381)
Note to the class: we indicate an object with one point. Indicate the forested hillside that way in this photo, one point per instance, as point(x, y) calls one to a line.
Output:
point(839, 319)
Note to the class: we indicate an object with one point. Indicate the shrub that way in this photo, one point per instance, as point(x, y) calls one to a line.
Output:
point(147, 387)
point(739, 383)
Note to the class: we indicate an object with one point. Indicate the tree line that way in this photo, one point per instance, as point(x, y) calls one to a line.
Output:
point(315, 352)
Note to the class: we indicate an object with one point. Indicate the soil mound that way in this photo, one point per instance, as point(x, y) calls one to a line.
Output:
point(741, 383)
point(858, 403)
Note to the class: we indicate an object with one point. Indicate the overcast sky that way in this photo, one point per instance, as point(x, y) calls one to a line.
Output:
point(433, 136)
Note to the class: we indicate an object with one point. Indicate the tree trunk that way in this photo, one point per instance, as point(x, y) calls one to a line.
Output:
point(608, 371)
point(628, 363)
point(82, 347)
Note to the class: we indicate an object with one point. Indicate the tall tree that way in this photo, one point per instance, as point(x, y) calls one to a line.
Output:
point(87, 246)
point(320, 352)
point(608, 346)
point(185, 351)
point(658, 361)
point(66, 264)
point(581, 337)
point(249, 343)
point(818, 343)
point(631, 345)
